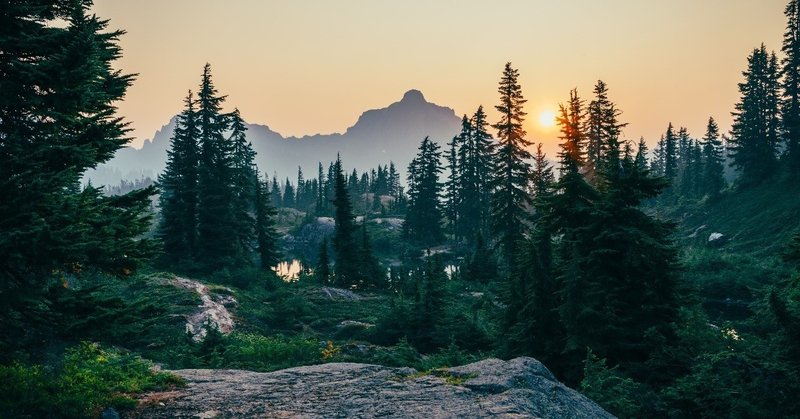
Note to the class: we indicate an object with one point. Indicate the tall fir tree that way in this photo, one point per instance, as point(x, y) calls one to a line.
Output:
point(670, 154)
point(243, 184)
point(178, 183)
point(423, 220)
point(58, 90)
point(266, 235)
point(456, 175)
point(790, 103)
point(512, 170)
point(713, 180)
point(602, 127)
point(216, 228)
point(344, 241)
point(754, 134)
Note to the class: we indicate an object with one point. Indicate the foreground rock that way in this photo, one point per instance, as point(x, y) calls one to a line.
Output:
point(520, 388)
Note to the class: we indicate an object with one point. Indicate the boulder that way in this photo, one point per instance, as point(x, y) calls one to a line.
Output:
point(519, 388)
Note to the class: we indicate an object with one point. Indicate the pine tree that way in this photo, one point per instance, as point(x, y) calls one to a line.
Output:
point(276, 197)
point(177, 227)
point(641, 155)
point(670, 150)
point(243, 184)
point(454, 186)
point(266, 235)
point(288, 194)
point(423, 220)
point(320, 205)
point(344, 243)
point(323, 271)
point(602, 126)
point(790, 104)
point(215, 220)
point(713, 161)
point(300, 195)
point(512, 171)
point(754, 134)
point(58, 91)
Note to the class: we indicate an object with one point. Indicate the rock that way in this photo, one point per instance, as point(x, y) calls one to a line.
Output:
point(353, 324)
point(697, 230)
point(519, 388)
point(109, 413)
point(717, 239)
point(209, 311)
point(339, 294)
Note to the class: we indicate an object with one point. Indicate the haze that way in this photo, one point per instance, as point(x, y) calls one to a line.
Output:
point(313, 66)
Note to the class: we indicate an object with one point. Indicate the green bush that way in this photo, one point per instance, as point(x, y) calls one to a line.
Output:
point(89, 379)
point(269, 353)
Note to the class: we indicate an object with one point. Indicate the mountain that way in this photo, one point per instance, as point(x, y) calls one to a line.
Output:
point(392, 133)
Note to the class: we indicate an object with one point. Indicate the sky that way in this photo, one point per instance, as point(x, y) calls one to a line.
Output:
point(313, 66)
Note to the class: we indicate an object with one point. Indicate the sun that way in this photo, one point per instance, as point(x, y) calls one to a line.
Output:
point(547, 119)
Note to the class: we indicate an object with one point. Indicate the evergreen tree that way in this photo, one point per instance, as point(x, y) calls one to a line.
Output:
point(713, 161)
point(754, 134)
point(423, 220)
point(58, 91)
point(670, 157)
point(266, 235)
point(602, 126)
point(641, 155)
point(276, 197)
point(177, 227)
point(244, 180)
point(323, 271)
point(300, 197)
point(288, 194)
point(659, 157)
point(790, 104)
point(393, 180)
point(215, 219)
point(453, 186)
point(344, 243)
point(322, 199)
point(512, 171)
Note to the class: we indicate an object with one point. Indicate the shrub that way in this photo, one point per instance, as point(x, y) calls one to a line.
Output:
point(89, 379)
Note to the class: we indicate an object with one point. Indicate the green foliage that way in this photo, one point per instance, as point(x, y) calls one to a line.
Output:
point(610, 388)
point(89, 379)
point(424, 216)
point(268, 353)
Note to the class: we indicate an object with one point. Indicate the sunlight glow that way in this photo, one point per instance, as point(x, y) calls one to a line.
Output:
point(547, 119)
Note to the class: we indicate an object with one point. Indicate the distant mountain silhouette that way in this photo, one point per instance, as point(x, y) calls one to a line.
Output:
point(380, 135)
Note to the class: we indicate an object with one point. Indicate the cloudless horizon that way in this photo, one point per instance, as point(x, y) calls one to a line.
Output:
point(311, 67)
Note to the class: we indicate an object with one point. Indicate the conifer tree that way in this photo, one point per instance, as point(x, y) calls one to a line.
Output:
point(243, 184)
point(215, 219)
point(602, 126)
point(344, 242)
point(641, 155)
point(323, 271)
point(320, 206)
point(178, 198)
point(266, 235)
point(288, 194)
point(713, 161)
point(58, 91)
point(454, 188)
point(670, 156)
point(423, 220)
point(790, 103)
point(512, 170)
point(276, 197)
point(754, 134)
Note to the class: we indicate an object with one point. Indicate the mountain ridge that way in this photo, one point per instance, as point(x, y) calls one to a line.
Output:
point(378, 136)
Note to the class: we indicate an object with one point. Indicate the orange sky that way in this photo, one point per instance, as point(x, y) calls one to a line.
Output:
point(312, 66)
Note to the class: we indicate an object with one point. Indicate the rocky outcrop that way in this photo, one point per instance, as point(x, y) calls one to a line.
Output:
point(519, 388)
point(211, 311)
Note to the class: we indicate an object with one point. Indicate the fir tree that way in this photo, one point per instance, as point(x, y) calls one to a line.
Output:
point(276, 197)
point(512, 171)
point(58, 91)
point(344, 243)
point(266, 235)
point(453, 186)
point(215, 220)
point(641, 155)
point(602, 127)
point(713, 161)
point(177, 227)
point(323, 271)
point(670, 154)
point(288, 194)
point(754, 134)
point(244, 179)
point(423, 220)
point(790, 104)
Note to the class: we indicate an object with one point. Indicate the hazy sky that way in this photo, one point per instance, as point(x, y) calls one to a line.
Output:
point(305, 67)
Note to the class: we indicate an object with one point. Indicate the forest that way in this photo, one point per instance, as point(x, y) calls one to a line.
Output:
point(658, 283)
